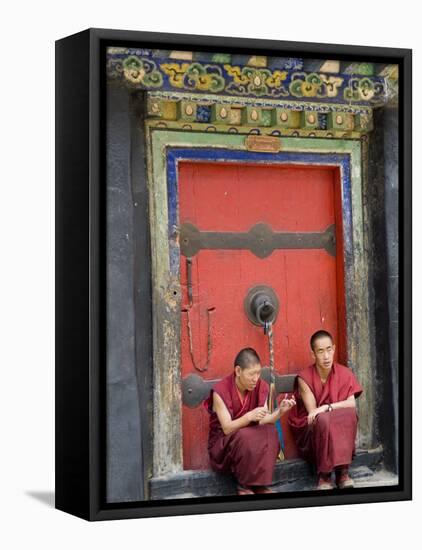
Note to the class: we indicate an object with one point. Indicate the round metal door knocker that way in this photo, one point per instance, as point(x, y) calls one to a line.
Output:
point(261, 305)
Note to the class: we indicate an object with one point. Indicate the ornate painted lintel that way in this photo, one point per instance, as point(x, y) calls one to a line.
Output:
point(148, 73)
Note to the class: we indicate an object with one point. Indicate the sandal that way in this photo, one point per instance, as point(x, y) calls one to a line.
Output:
point(324, 481)
point(343, 480)
point(243, 490)
point(262, 489)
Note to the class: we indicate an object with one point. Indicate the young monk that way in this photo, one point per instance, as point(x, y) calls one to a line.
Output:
point(324, 421)
point(243, 439)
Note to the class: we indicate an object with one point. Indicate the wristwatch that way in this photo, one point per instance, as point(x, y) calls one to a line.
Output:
point(330, 407)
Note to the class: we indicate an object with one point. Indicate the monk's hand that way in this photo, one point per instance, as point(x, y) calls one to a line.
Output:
point(287, 404)
point(255, 415)
point(313, 414)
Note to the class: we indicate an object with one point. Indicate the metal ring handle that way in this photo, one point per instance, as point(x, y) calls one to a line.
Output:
point(260, 308)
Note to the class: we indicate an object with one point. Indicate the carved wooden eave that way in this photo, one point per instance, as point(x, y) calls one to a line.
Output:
point(269, 78)
point(198, 112)
point(273, 96)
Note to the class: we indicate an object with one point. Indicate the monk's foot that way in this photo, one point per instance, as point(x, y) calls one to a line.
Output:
point(343, 480)
point(262, 489)
point(243, 490)
point(324, 481)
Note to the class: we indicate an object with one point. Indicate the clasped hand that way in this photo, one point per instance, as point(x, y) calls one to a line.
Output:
point(313, 414)
point(257, 414)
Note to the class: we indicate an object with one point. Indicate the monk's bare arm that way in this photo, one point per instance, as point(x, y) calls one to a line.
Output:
point(310, 402)
point(349, 402)
point(227, 424)
point(307, 395)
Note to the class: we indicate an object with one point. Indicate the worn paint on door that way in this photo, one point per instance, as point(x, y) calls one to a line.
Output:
point(309, 283)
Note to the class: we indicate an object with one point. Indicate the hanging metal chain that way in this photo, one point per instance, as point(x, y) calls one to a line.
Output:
point(209, 344)
point(269, 330)
point(187, 310)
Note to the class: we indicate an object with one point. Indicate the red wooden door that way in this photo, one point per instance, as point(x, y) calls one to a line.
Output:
point(308, 282)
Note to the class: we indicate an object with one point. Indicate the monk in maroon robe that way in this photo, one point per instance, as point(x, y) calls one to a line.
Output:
point(243, 439)
point(324, 420)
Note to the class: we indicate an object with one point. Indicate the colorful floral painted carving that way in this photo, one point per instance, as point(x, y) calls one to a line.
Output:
point(194, 76)
point(142, 71)
point(332, 84)
point(305, 85)
point(245, 81)
point(250, 80)
point(315, 85)
point(360, 89)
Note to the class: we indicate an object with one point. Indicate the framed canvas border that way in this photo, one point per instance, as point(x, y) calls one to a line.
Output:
point(80, 275)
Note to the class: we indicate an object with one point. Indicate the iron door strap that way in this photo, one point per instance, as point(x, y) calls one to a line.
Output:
point(195, 388)
point(261, 240)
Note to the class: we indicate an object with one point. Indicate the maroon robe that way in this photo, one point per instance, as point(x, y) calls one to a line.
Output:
point(249, 453)
point(330, 440)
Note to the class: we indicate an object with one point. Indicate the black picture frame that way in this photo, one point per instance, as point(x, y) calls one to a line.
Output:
point(81, 285)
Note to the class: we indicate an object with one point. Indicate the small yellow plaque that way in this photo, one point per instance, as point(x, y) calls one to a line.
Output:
point(266, 144)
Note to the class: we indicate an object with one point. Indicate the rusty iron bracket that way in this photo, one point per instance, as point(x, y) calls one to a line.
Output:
point(261, 240)
point(195, 389)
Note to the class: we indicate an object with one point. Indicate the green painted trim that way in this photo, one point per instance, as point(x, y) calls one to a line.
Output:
point(222, 58)
point(221, 129)
point(167, 398)
point(360, 69)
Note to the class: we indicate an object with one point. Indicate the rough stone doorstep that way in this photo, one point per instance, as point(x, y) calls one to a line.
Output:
point(362, 476)
point(378, 479)
point(287, 474)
